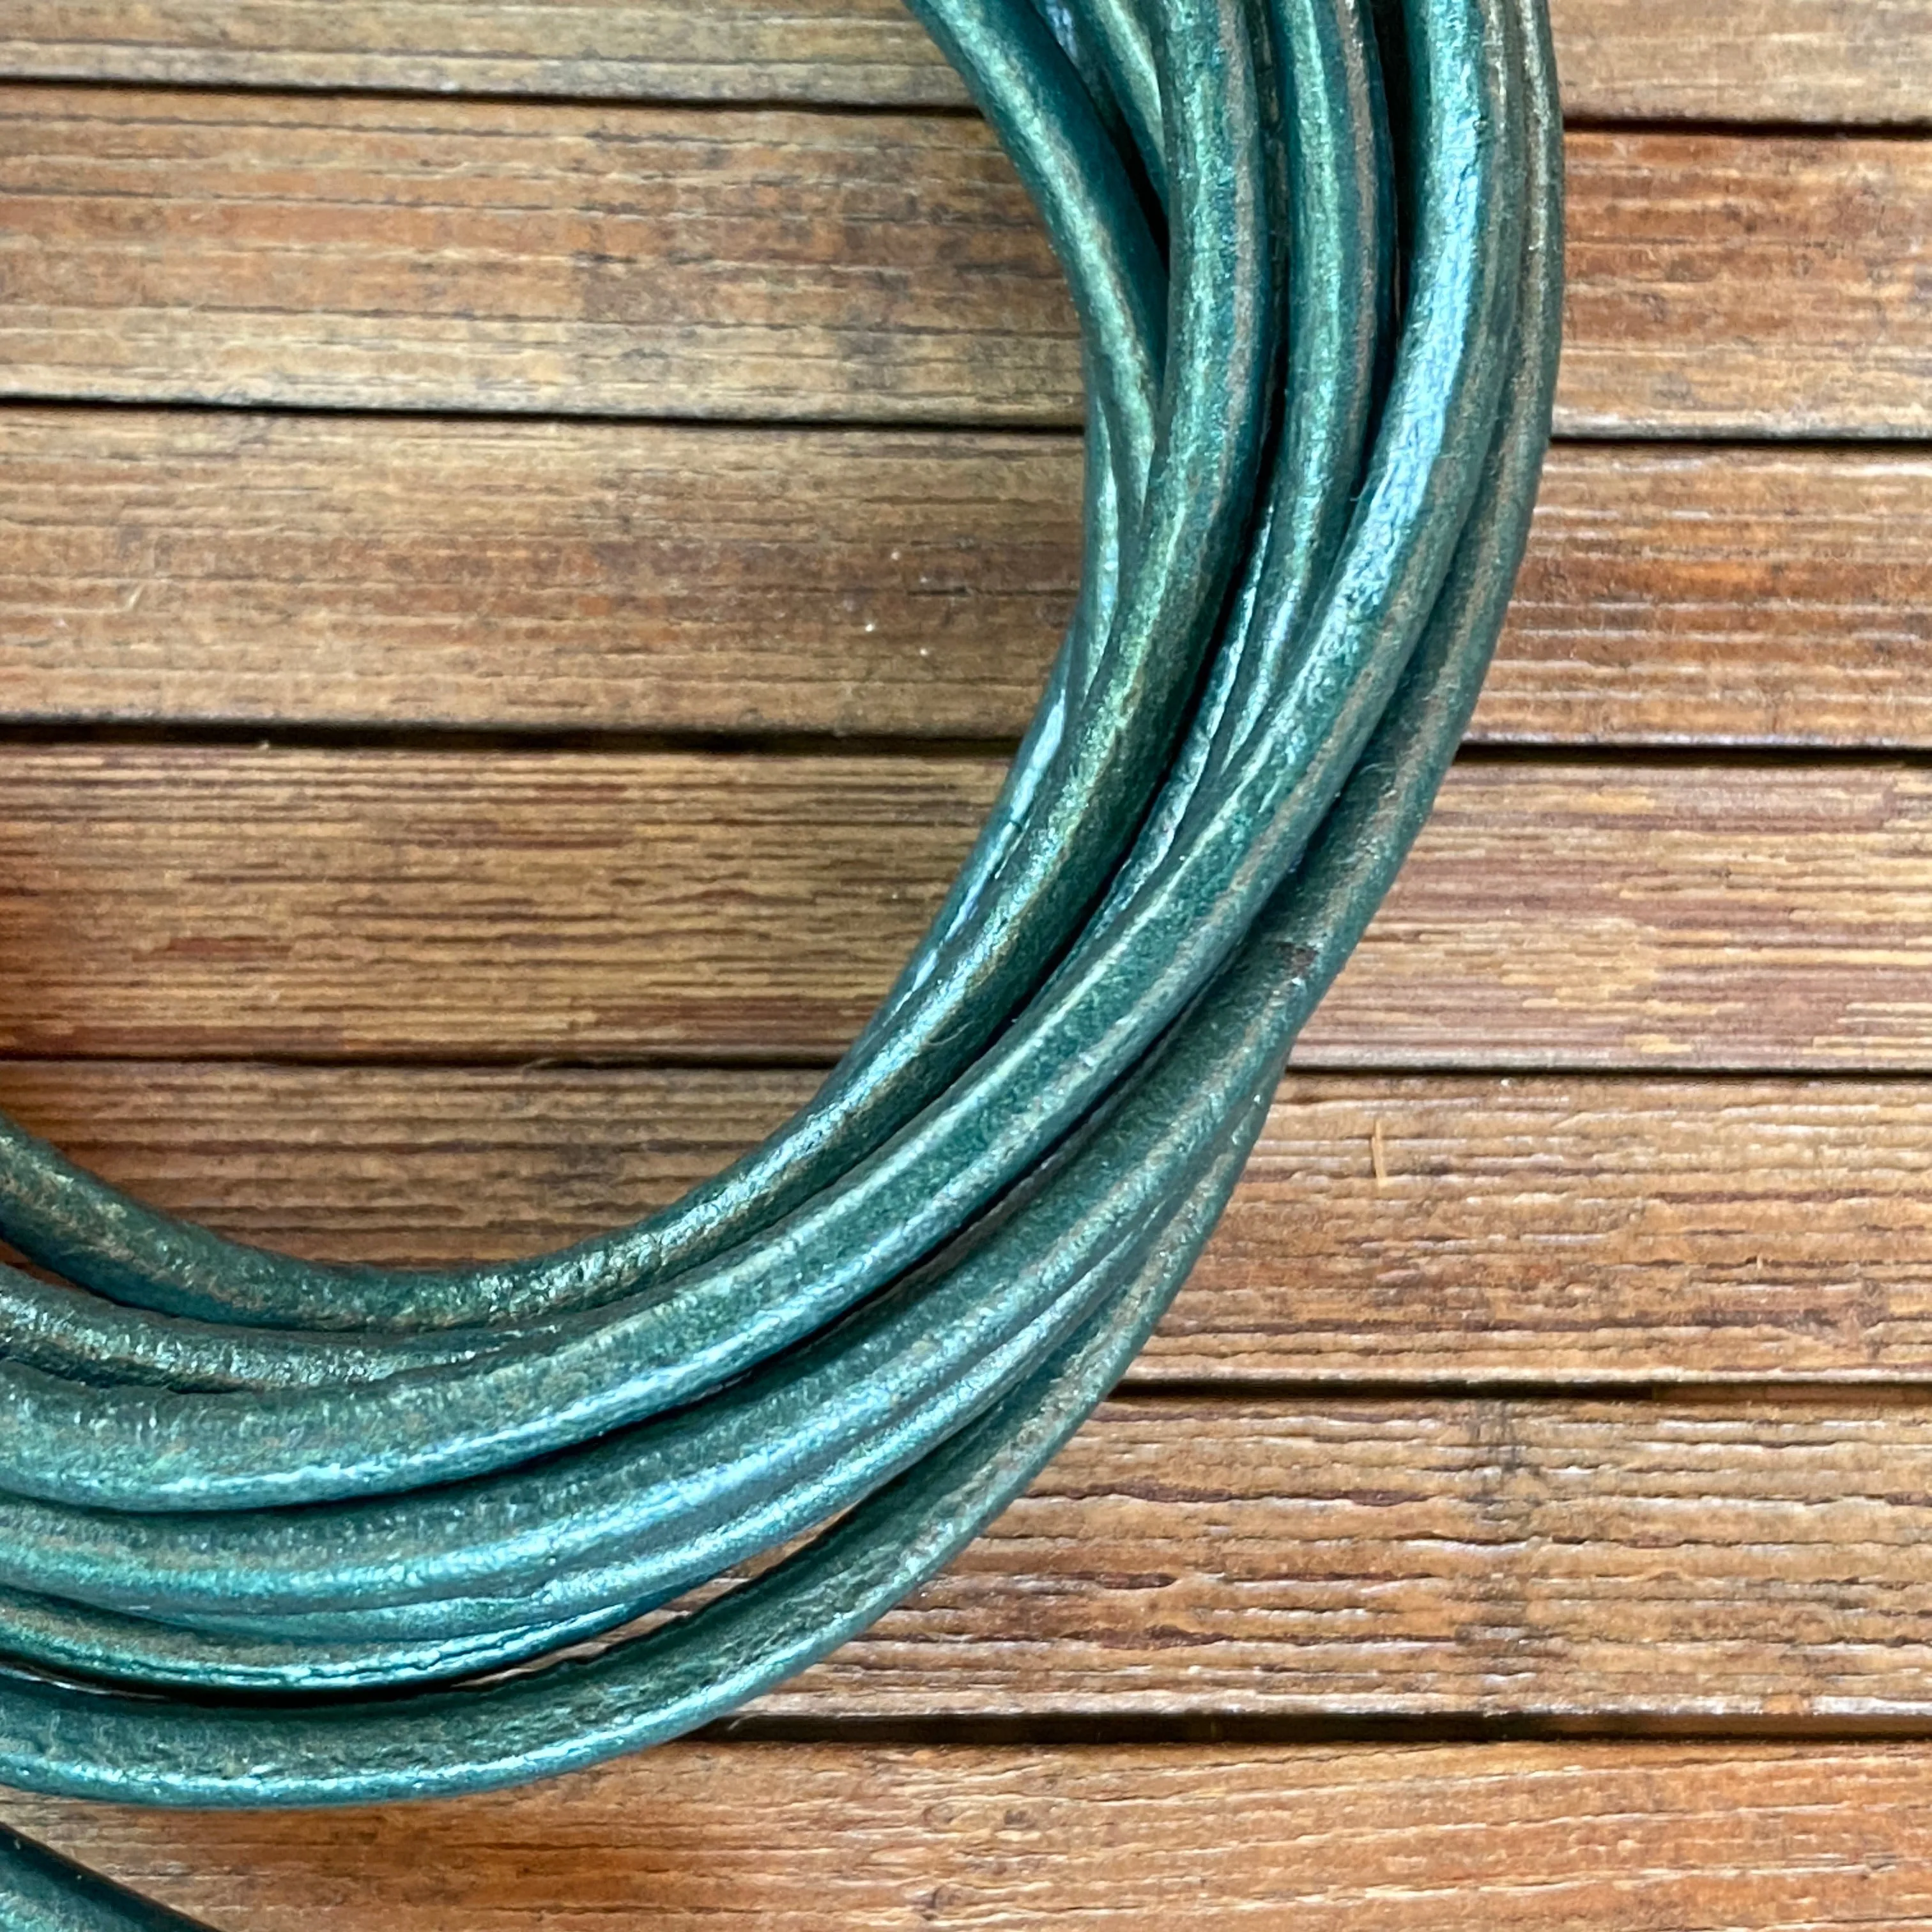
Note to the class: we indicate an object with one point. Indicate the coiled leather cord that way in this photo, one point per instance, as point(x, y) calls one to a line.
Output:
point(271, 1531)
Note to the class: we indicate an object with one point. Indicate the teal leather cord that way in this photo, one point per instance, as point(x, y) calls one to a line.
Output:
point(270, 1530)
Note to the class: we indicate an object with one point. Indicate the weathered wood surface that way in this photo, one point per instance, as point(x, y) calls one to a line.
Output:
point(1721, 286)
point(165, 901)
point(852, 52)
point(573, 576)
point(1534, 1230)
point(1622, 1837)
point(1770, 596)
point(1676, 1561)
point(420, 254)
point(182, 568)
point(434, 255)
point(1851, 62)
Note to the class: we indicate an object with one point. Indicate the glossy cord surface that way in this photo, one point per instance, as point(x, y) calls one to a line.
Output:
point(267, 1527)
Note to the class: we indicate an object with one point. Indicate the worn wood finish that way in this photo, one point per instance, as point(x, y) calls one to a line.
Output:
point(1527, 1230)
point(1443, 1229)
point(413, 254)
point(1772, 596)
point(289, 902)
point(1847, 62)
point(1623, 1837)
point(422, 254)
point(1708, 1561)
point(572, 576)
point(859, 53)
point(166, 900)
point(1714, 1561)
point(596, 576)
point(1853, 62)
point(1720, 287)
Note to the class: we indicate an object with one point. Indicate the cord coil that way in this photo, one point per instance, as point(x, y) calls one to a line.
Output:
point(272, 1532)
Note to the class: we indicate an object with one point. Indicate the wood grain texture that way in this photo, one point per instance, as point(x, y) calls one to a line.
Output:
point(1848, 62)
point(1662, 1562)
point(181, 901)
point(1843, 62)
point(859, 52)
point(1714, 1562)
point(1438, 1229)
point(1320, 1498)
point(1720, 287)
point(1530, 1230)
point(1625, 1837)
point(574, 576)
point(1721, 596)
point(409, 254)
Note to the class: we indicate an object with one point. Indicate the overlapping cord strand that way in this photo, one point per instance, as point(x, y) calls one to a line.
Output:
point(269, 1530)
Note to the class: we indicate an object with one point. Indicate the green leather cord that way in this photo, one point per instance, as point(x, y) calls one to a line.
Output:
point(268, 1527)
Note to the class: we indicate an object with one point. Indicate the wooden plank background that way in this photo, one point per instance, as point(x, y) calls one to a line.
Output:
point(530, 528)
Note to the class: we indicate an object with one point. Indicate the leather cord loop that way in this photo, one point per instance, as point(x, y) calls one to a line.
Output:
point(271, 1531)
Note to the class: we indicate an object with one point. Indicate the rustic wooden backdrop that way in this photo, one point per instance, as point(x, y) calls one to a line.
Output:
point(530, 525)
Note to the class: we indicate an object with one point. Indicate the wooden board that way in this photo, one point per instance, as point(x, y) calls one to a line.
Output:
point(1623, 1837)
point(421, 254)
point(857, 52)
point(161, 901)
point(1850, 62)
point(1719, 286)
point(1769, 596)
point(562, 576)
point(411, 254)
point(1720, 1562)
point(188, 567)
point(1538, 1230)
